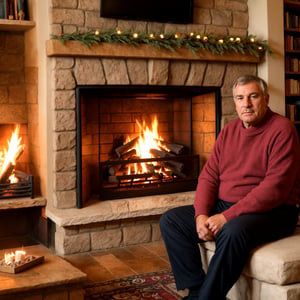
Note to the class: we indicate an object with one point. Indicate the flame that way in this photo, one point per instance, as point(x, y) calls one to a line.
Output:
point(9, 258)
point(12, 153)
point(148, 139)
point(17, 256)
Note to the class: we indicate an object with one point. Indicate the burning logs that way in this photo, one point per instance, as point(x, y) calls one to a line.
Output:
point(165, 164)
point(145, 159)
point(10, 156)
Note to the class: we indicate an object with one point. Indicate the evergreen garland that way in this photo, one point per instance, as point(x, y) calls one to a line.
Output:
point(192, 41)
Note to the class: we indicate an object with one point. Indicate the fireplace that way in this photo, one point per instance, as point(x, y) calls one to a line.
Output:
point(107, 115)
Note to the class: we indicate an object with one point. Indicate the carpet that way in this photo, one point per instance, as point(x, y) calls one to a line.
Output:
point(158, 285)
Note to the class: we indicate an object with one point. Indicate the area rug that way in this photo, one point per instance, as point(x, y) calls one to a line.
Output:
point(158, 285)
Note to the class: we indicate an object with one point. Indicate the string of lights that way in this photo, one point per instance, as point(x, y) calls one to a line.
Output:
point(192, 41)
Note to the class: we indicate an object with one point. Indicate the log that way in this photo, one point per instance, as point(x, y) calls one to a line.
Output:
point(174, 165)
point(6, 172)
point(113, 179)
point(176, 173)
point(19, 153)
point(175, 148)
point(126, 147)
point(111, 171)
point(161, 153)
point(22, 176)
point(139, 176)
point(129, 154)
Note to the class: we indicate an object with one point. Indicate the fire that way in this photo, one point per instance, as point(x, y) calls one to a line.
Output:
point(149, 139)
point(9, 156)
point(14, 257)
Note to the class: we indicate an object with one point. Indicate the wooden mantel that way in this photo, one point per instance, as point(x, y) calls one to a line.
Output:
point(74, 48)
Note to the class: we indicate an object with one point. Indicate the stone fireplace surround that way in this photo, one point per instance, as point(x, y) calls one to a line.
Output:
point(116, 223)
point(107, 224)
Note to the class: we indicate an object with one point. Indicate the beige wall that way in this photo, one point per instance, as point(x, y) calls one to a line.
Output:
point(35, 56)
point(266, 22)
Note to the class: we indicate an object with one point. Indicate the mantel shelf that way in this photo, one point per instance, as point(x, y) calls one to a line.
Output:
point(17, 203)
point(16, 25)
point(74, 48)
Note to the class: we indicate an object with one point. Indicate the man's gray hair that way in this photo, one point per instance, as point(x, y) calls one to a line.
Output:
point(251, 78)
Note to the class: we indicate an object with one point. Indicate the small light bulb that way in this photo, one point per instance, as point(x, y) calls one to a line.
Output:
point(151, 36)
point(119, 31)
point(252, 40)
point(135, 35)
point(161, 36)
point(238, 39)
point(205, 38)
point(192, 33)
point(231, 39)
point(198, 36)
point(260, 48)
point(97, 32)
point(221, 41)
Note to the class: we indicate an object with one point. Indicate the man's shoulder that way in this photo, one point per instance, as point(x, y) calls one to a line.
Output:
point(280, 121)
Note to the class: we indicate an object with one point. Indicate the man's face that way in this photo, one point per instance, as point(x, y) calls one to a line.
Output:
point(250, 103)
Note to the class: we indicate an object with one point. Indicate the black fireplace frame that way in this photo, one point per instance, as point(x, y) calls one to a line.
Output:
point(135, 91)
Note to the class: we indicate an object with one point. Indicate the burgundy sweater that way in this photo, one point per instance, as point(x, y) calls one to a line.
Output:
point(257, 168)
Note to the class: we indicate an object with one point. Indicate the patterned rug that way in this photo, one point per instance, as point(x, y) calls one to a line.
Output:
point(159, 285)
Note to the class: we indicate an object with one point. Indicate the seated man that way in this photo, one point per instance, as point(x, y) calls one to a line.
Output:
point(247, 195)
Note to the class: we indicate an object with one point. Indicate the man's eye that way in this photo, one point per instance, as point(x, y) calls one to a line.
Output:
point(254, 96)
point(239, 98)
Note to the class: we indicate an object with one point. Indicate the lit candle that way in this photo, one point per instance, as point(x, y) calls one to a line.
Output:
point(20, 256)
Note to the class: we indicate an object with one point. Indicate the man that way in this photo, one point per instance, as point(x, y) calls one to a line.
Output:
point(247, 195)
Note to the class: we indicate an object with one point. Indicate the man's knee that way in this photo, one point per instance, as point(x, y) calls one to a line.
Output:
point(232, 230)
point(175, 217)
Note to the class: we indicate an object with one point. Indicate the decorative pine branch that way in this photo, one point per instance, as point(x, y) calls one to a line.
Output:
point(171, 41)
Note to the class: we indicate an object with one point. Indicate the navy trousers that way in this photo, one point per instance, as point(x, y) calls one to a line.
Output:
point(233, 244)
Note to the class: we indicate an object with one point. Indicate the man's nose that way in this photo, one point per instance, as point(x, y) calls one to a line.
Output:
point(247, 101)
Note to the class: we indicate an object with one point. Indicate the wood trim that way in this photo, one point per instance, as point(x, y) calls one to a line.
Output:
point(74, 48)
point(16, 25)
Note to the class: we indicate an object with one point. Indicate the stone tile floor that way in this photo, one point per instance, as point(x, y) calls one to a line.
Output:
point(110, 264)
point(121, 262)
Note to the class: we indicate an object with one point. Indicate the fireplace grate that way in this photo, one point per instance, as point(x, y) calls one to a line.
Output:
point(121, 185)
point(23, 188)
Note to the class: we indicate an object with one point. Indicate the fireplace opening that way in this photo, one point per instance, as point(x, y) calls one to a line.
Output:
point(115, 125)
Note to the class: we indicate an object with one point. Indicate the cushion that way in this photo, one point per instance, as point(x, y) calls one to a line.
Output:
point(276, 262)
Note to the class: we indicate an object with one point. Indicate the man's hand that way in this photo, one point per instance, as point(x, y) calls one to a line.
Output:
point(209, 227)
point(203, 231)
point(215, 223)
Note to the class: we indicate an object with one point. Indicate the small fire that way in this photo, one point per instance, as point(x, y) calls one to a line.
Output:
point(14, 257)
point(9, 156)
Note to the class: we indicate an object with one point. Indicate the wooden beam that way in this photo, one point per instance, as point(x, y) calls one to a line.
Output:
point(74, 48)
point(16, 25)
